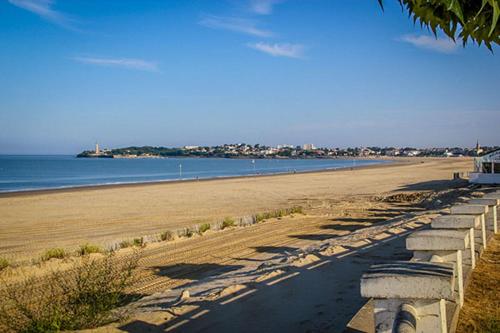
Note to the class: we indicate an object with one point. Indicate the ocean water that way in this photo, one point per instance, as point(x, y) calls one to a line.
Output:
point(21, 173)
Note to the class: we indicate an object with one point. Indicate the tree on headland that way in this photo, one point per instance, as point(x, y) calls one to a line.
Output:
point(476, 20)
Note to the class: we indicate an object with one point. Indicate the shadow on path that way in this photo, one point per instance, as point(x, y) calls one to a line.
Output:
point(321, 296)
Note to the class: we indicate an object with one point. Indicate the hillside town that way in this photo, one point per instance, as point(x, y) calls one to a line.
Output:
point(243, 150)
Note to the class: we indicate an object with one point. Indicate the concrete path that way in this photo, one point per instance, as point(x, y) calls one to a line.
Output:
point(319, 297)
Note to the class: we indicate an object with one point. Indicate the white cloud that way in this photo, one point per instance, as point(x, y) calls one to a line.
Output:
point(248, 27)
point(127, 63)
point(442, 45)
point(43, 8)
point(263, 7)
point(280, 50)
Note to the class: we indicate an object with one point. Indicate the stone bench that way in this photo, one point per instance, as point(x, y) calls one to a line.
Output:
point(408, 288)
point(440, 245)
point(493, 195)
point(475, 210)
point(469, 223)
point(492, 215)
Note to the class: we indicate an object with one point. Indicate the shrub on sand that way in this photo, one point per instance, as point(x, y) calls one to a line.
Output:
point(126, 243)
point(4, 263)
point(55, 253)
point(81, 298)
point(227, 223)
point(86, 249)
point(167, 236)
point(203, 228)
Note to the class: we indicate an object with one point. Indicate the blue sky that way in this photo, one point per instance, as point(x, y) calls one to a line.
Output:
point(330, 72)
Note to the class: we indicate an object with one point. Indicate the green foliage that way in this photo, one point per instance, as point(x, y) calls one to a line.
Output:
point(167, 236)
point(137, 242)
point(472, 19)
point(55, 253)
point(86, 249)
point(4, 263)
point(80, 298)
point(227, 223)
point(203, 228)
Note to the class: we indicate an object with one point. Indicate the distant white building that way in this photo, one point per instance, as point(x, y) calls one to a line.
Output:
point(308, 146)
point(284, 146)
point(191, 147)
point(486, 169)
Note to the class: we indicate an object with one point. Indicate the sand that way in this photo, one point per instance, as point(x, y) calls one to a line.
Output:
point(31, 223)
point(311, 262)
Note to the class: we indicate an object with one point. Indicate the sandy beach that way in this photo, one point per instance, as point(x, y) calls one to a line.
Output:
point(31, 223)
point(351, 219)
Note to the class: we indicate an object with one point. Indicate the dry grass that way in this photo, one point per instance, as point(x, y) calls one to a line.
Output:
point(481, 311)
point(83, 297)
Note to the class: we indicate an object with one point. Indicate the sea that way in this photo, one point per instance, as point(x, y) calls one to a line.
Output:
point(35, 172)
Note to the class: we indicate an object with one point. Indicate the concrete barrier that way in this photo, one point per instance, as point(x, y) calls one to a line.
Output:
point(494, 195)
point(421, 286)
point(417, 295)
point(492, 215)
point(440, 245)
point(475, 210)
point(470, 223)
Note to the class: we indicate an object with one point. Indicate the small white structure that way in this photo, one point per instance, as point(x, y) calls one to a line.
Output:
point(308, 146)
point(486, 169)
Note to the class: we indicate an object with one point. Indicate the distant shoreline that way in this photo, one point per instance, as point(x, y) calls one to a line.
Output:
point(77, 188)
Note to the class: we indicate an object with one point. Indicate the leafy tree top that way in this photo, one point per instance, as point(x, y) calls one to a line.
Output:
point(476, 20)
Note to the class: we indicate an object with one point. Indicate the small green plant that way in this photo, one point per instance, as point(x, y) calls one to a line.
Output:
point(167, 236)
point(86, 249)
point(137, 242)
point(4, 263)
point(227, 223)
point(203, 228)
point(55, 253)
point(297, 210)
point(80, 298)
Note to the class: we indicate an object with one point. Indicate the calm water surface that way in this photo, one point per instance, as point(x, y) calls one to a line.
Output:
point(21, 173)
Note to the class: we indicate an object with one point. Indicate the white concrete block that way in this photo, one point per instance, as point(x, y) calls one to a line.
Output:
point(469, 209)
point(431, 315)
point(409, 280)
point(491, 216)
point(485, 201)
point(456, 222)
point(494, 195)
point(438, 239)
